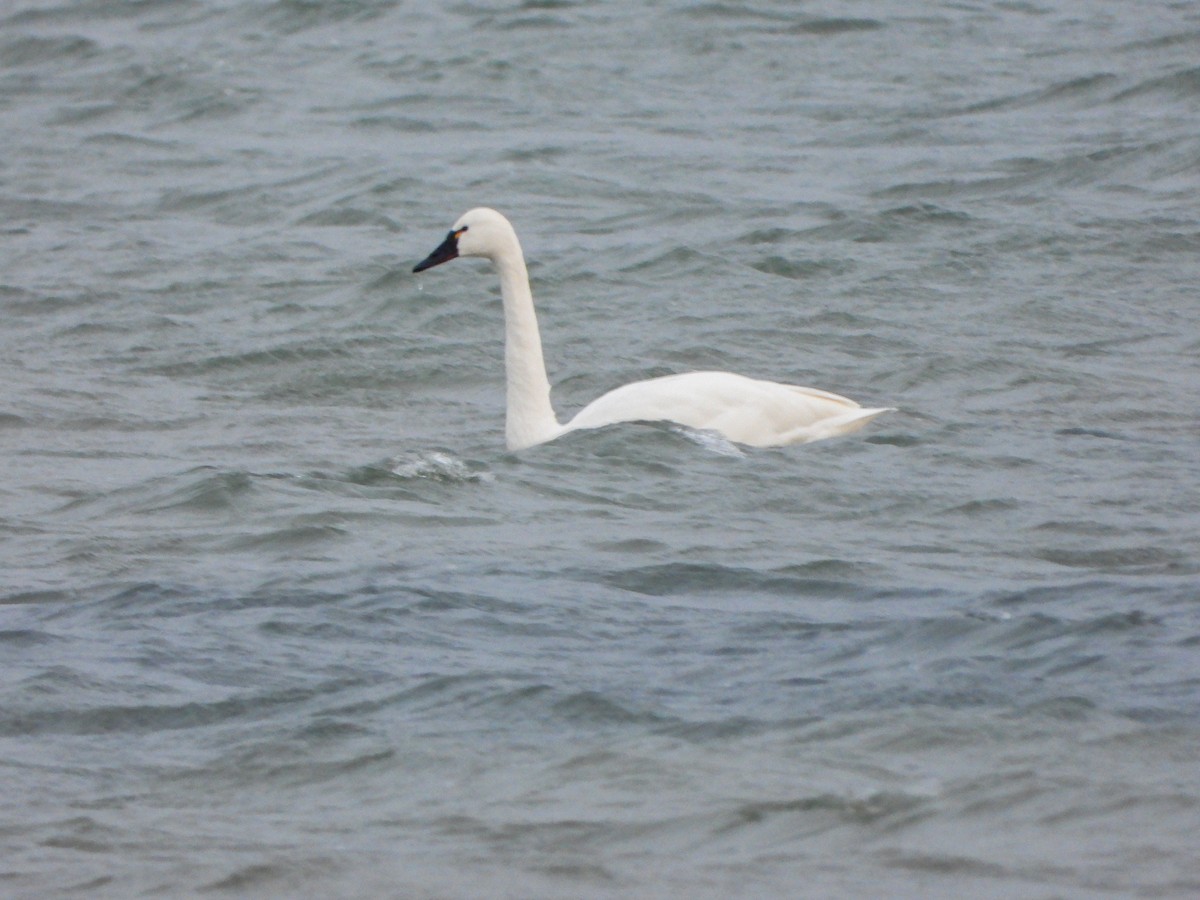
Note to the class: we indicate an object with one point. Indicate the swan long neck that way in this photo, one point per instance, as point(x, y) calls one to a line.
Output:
point(530, 419)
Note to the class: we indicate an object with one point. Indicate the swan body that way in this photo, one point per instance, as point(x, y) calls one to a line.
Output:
point(744, 410)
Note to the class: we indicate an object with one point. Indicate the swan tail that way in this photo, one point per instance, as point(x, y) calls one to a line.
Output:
point(845, 423)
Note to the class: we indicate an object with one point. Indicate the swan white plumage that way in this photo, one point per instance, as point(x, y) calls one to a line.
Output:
point(744, 410)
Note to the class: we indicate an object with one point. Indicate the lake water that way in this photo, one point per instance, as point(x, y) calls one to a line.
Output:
point(280, 616)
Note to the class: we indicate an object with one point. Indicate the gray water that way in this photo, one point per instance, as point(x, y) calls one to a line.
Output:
point(282, 618)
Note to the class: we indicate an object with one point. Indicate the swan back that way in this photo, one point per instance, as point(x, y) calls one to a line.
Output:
point(744, 410)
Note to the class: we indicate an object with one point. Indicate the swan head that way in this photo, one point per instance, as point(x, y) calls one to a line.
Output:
point(480, 232)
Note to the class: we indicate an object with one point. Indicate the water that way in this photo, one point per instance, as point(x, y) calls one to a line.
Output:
point(280, 615)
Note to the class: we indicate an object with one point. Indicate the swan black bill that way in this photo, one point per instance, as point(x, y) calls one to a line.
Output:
point(446, 251)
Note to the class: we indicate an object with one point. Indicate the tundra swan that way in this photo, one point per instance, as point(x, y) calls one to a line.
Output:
point(744, 410)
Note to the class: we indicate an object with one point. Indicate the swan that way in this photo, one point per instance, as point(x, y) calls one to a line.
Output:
point(743, 410)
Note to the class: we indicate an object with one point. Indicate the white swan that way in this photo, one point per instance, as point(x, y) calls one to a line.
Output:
point(744, 410)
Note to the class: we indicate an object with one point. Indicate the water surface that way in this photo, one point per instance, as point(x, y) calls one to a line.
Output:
point(281, 616)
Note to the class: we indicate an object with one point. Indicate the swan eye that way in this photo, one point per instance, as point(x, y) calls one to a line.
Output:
point(458, 233)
